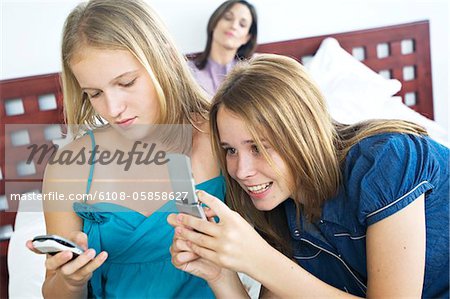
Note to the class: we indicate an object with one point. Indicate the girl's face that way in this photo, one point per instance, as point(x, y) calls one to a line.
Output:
point(266, 186)
point(232, 30)
point(118, 87)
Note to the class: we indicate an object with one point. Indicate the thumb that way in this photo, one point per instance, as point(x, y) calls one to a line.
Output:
point(215, 204)
point(80, 238)
point(29, 245)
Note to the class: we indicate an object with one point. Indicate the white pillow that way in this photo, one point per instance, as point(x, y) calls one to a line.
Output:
point(394, 108)
point(352, 90)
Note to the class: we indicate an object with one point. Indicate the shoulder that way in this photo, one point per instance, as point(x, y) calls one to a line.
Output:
point(71, 160)
point(385, 147)
point(384, 173)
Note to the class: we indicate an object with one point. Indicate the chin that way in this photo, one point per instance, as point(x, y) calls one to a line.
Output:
point(263, 206)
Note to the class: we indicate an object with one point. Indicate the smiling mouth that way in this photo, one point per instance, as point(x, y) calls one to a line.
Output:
point(259, 188)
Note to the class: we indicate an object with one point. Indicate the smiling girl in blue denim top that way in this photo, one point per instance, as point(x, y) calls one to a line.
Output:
point(341, 210)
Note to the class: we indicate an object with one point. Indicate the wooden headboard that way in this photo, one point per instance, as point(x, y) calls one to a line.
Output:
point(38, 99)
point(32, 100)
point(405, 56)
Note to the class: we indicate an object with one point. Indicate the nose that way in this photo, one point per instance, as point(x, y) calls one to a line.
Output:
point(116, 104)
point(245, 167)
point(235, 24)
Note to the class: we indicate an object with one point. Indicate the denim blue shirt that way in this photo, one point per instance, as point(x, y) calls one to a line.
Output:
point(381, 175)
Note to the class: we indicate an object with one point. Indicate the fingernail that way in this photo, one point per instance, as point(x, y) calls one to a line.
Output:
point(103, 255)
point(179, 218)
point(66, 254)
point(90, 253)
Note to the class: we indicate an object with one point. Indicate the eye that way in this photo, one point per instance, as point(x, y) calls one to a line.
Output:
point(228, 16)
point(230, 151)
point(128, 84)
point(255, 149)
point(94, 95)
point(243, 24)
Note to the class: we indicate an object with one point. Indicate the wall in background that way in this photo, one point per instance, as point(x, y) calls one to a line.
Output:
point(30, 29)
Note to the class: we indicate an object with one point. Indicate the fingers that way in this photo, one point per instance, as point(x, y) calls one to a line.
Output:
point(200, 225)
point(209, 212)
point(219, 207)
point(29, 245)
point(62, 260)
point(181, 253)
point(204, 252)
point(85, 264)
point(180, 245)
point(172, 220)
point(59, 259)
point(78, 263)
point(183, 257)
point(195, 237)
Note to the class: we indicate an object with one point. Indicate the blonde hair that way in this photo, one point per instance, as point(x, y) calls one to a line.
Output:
point(130, 25)
point(279, 103)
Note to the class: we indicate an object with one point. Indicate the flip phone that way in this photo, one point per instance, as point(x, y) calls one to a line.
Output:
point(182, 182)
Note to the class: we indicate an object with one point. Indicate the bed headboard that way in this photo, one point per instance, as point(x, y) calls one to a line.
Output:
point(31, 100)
point(38, 99)
point(400, 51)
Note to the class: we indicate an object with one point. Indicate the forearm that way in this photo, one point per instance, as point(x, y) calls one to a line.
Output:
point(286, 279)
point(229, 286)
point(55, 287)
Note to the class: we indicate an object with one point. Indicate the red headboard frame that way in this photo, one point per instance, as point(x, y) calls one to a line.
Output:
point(416, 92)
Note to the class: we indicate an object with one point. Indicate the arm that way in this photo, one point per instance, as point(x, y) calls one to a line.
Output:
point(232, 243)
point(65, 278)
point(224, 283)
point(396, 253)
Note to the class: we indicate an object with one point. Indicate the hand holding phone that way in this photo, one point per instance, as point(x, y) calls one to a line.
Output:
point(52, 244)
point(183, 183)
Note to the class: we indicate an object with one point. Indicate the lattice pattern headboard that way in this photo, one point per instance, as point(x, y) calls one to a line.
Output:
point(401, 52)
point(32, 100)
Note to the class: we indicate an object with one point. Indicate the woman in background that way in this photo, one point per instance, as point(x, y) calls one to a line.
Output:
point(337, 211)
point(231, 36)
point(122, 73)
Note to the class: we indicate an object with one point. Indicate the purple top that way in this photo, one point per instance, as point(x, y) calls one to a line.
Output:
point(212, 75)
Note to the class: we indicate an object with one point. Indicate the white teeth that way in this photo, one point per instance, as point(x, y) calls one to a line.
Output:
point(259, 188)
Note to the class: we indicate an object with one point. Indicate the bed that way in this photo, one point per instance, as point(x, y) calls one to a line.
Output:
point(389, 70)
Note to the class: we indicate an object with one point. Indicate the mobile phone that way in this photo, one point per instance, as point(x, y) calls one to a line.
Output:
point(52, 244)
point(183, 184)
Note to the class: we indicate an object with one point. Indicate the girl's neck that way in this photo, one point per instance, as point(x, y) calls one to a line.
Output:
point(221, 55)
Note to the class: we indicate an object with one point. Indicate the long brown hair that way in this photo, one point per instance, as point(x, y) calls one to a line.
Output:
point(279, 103)
point(246, 50)
point(133, 26)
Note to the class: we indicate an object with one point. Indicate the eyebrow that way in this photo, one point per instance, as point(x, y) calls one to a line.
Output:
point(113, 80)
point(232, 13)
point(250, 141)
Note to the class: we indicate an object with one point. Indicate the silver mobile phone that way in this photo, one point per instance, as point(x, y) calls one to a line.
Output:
point(183, 184)
point(52, 244)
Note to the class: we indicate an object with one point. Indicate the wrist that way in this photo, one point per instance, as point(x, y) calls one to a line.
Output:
point(266, 255)
point(257, 259)
point(228, 285)
point(225, 277)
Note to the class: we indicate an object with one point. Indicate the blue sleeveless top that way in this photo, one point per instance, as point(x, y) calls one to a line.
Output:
point(139, 262)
